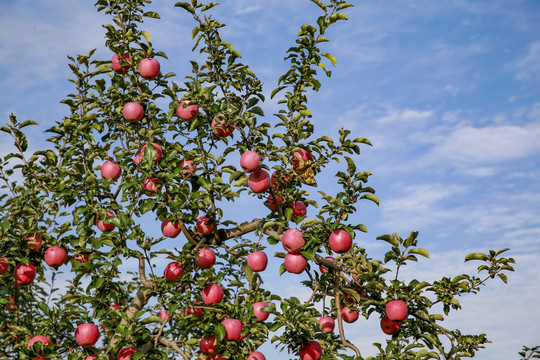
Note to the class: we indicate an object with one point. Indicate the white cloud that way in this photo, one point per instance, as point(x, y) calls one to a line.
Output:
point(528, 67)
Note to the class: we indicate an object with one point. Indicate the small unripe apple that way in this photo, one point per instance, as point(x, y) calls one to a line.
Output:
point(150, 185)
point(170, 229)
point(323, 269)
point(311, 351)
point(38, 338)
point(133, 112)
point(258, 313)
point(87, 335)
point(301, 154)
point(298, 209)
point(110, 170)
point(220, 128)
point(24, 274)
point(259, 181)
point(390, 327)
point(205, 258)
point(204, 225)
point(295, 263)
point(159, 153)
point(187, 112)
point(293, 240)
point(188, 168)
point(173, 271)
point(149, 68)
point(208, 345)
point(103, 226)
point(34, 242)
point(250, 161)
point(256, 355)
point(125, 353)
point(117, 63)
point(4, 265)
point(55, 256)
point(233, 329)
point(327, 324)
point(164, 315)
point(273, 205)
point(340, 241)
point(257, 261)
point(396, 310)
point(349, 315)
point(212, 294)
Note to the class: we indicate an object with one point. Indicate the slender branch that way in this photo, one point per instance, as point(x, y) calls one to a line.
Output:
point(340, 319)
point(446, 332)
point(173, 345)
point(142, 273)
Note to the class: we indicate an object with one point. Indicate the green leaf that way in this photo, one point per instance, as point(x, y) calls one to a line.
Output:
point(257, 110)
point(205, 183)
point(146, 36)
point(389, 239)
point(152, 14)
point(351, 166)
point(319, 4)
point(370, 197)
point(419, 251)
point(330, 57)
point(476, 256)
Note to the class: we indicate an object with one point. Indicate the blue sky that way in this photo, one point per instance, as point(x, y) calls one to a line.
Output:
point(448, 92)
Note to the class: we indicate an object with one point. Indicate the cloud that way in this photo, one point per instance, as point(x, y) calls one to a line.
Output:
point(528, 67)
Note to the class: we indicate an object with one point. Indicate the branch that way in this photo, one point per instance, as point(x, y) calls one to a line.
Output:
point(173, 345)
point(142, 273)
point(446, 332)
point(340, 319)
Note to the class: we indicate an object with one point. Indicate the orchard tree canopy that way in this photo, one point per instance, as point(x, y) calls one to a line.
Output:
point(143, 149)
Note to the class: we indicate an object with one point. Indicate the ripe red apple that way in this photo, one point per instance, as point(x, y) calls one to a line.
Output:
point(188, 168)
point(298, 209)
point(125, 353)
point(256, 355)
point(396, 310)
point(170, 229)
point(117, 63)
point(205, 258)
point(204, 225)
point(250, 161)
point(311, 351)
point(55, 256)
point(187, 112)
point(87, 335)
point(221, 129)
point(110, 170)
point(260, 314)
point(133, 112)
point(327, 324)
point(193, 311)
point(295, 263)
point(82, 258)
point(257, 261)
point(173, 271)
point(41, 338)
point(113, 307)
point(91, 357)
point(140, 156)
point(233, 329)
point(349, 315)
point(208, 345)
point(293, 240)
point(278, 180)
point(164, 315)
point(150, 185)
point(212, 294)
point(390, 327)
point(34, 242)
point(340, 241)
point(106, 227)
point(24, 274)
point(301, 154)
point(259, 181)
point(4, 265)
point(323, 269)
point(273, 205)
point(149, 68)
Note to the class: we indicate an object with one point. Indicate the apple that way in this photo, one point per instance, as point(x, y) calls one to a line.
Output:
point(150, 185)
point(87, 335)
point(55, 256)
point(149, 68)
point(295, 263)
point(311, 351)
point(250, 161)
point(349, 315)
point(103, 226)
point(164, 315)
point(188, 168)
point(221, 129)
point(323, 269)
point(187, 112)
point(125, 353)
point(113, 307)
point(278, 179)
point(257, 261)
point(205, 258)
point(208, 345)
point(396, 310)
point(193, 311)
point(24, 274)
point(259, 181)
point(4, 265)
point(256, 355)
point(140, 157)
point(173, 271)
point(293, 240)
point(34, 242)
point(13, 305)
point(298, 209)
point(81, 258)
point(204, 225)
point(41, 338)
point(327, 324)
point(233, 329)
point(110, 170)
point(301, 154)
point(117, 63)
point(170, 229)
point(390, 327)
point(271, 204)
point(212, 294)
point(340, 241)
point(133, 112)
point(91, 357)
point(260, 314)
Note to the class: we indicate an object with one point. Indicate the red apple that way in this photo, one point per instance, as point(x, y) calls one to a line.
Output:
point(212, 294)
point(390, 327)
point(301, 154)
point(205, 258)
point(133, 112)
point(221, 129)
point(188, 168)
point(82, 258)
point(340, 241)
point(295, 263)
point(257, 261)
point(311, 351)
point(293, 240)
point(103, 226)
point(323, 269)
point(208, 345)
point(91, 357)
point(256, 355)
point(55, 256)
point(149, 68)
point(140, 157)
point(41, 338)
point(298, 209)
point(233, 329)
point(170, 229)
point(164, 315)
point(349, 315)
point(396, 310)
point(204, 225)
point(150, 185)
point(327, 324)
point(34, 242)
point(110, 170)
point(187, 112)
point(117, 63)
point(173, 271)
point(13, 305)
point(259, 181)
point(260, 314)
point(193, 311)
point(250, 161)
point(24, 274)
point(115, 307)
point(125, 353)
point(4, 265)
point(87, 335)
point(273, 205)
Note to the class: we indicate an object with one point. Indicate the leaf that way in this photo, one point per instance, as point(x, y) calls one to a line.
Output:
point(257, 110)
point(205, 183)
point(146, 36)
point(370, 197)
point(351, 166)
point(419, 251)
point(476, 256)
point(389, 239)
point(276, 90)
point(503, 278)
point(330, 57)
point(152, 14)
point(319, 4)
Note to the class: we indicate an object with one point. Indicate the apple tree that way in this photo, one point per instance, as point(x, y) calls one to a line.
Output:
point(87, 273)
